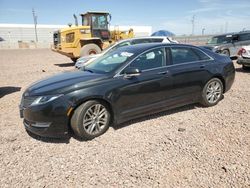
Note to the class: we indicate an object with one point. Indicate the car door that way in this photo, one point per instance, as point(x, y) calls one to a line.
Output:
point(189, 73)
point(148, 91)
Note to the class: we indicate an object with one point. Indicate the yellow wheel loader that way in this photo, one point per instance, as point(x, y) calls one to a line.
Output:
point(89, 38)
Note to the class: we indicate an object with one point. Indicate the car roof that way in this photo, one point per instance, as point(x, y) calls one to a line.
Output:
point(139, 48)
point(232, 33)
point(149, 37)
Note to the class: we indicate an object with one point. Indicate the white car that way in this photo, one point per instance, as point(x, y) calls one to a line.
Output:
point(244, 57)
point(132, 41)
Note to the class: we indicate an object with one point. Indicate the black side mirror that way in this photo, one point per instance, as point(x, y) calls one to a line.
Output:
point(130, 72)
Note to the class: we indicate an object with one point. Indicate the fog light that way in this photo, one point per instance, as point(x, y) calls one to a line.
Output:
point(41, 124)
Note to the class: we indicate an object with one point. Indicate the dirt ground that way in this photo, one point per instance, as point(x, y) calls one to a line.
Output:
point(186, 147)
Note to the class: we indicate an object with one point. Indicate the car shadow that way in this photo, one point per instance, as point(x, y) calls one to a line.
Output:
point(8, 90)
point(156, 115)
point(71, 64)
point(240, 69)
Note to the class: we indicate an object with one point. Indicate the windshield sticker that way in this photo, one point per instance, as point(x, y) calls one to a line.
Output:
point(126, 54)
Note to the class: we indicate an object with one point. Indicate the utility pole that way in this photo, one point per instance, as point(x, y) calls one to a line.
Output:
point(193, 22)
point(203, 31)
point(35, 22)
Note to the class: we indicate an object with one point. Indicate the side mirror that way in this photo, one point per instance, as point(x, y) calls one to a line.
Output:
point(131, 72)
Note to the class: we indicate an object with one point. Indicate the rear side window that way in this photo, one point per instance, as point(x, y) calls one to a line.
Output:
point(202, 55)
point(183, 55)
point(245, 36)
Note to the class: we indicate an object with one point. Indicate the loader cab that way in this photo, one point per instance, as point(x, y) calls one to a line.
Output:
point(98, 22)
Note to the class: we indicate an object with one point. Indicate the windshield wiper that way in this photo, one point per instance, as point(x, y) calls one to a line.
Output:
point(83, 68)
point(88, 70)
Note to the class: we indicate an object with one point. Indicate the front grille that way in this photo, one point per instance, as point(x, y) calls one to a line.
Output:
point(56, 38)
point(27, 101)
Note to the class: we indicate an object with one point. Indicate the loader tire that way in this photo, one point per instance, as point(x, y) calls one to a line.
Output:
point(90, 49)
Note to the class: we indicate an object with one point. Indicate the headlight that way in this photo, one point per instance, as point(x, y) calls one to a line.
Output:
point(83, 60)
point(44, 99)
point(215, 48)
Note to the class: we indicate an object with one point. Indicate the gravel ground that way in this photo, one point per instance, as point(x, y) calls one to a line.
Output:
point(186, 147)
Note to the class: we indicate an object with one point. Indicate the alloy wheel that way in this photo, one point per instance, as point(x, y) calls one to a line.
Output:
point(213, 92)
point(95, 119)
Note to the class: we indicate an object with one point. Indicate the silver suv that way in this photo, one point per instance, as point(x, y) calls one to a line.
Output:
point(229, 44)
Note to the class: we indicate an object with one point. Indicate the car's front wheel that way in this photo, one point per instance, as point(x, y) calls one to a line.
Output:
point(91, 119)
point(244, 67)
point(212, 92)
point(226, 52)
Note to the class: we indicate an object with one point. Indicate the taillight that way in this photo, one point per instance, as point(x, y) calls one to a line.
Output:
point(241, 51)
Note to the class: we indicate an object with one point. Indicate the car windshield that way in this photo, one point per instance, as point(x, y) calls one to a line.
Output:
point(109, 62)
point(116, 46)
point(220, 40)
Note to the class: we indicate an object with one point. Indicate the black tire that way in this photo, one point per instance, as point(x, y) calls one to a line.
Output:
point(90, 49)
point(73, 59)
point(226, 52)
point(245, 67)
point(206, 93)
point(78, 118)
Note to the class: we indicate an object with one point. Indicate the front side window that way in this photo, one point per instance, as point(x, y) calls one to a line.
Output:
point(70, 37)
point(183, 55)
point(149, 60)
point(221, 39)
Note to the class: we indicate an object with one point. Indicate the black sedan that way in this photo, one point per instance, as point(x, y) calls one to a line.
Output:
point(127, 83)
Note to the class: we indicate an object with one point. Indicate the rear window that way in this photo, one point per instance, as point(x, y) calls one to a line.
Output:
point(156, 40)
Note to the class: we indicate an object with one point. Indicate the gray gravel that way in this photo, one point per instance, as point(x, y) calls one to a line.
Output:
point(186, 147)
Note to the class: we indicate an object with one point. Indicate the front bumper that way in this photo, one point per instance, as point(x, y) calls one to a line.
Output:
point(47, 120)
point(243, 61)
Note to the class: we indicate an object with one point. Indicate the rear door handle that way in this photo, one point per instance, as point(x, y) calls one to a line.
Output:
point(163, 72)
point(202, 66)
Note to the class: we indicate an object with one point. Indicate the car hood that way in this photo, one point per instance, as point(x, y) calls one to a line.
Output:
point(64, 82)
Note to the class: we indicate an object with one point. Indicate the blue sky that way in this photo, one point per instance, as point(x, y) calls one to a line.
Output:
point(213, 15)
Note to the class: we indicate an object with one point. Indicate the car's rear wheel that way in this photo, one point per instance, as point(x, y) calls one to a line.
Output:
point(91, 119)
point(212, 92)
